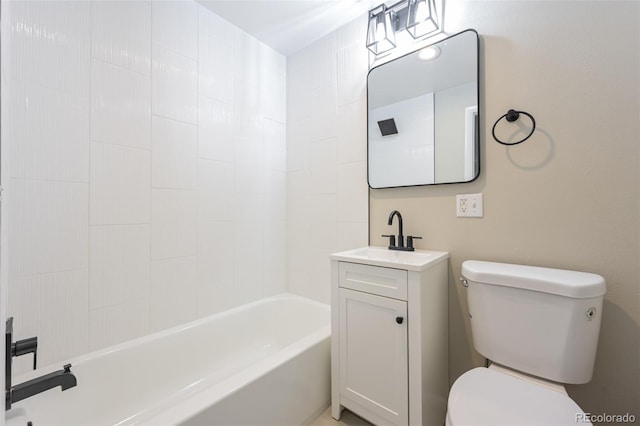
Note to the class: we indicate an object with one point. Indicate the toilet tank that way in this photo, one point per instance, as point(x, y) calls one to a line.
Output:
point(541, 321)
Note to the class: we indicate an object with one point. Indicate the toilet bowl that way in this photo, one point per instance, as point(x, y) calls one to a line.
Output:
point(539, 327)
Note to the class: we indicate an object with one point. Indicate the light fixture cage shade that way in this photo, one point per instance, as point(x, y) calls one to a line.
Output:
point(422, 18)
point(380, 33)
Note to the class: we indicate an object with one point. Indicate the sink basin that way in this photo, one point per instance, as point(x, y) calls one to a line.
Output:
point(381, 256)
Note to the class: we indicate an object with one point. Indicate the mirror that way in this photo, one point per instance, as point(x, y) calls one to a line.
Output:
point(422, 111)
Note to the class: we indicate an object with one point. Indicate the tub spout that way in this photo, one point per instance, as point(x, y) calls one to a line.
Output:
point(63, 378)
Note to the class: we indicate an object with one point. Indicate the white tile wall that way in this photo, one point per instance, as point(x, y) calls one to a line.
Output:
point(49, 229)
point(351, 117)
point(298, 226)
point(275, 145)
point(56, 149)
point(349, 81)
point(352, 194)
point(173, 223)
point(275, 207)
point(155, 149)
point(119, 264)
point(324, 113)
point(217, 39)
point(249, 154)
point(121, 34)
point(174, 83)
point(215, 129)
point(298, 86)
point(173, 295)
point(114, 324)
point(248, 240)
point(175, 26)
point(147, 153)
point(120, 185)
point(216, 266)
point(50, 45)
point(273, 87)
point(322, 59)
point(323, 166)
point(298, 141)
point(327, 193)
point(120, 106)
point(215, 191)
point(324, 217)
point(351, 234)
point(275, 255)
point(174, 157)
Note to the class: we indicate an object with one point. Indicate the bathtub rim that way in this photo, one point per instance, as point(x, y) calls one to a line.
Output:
point(206, 394)
point(163, 333)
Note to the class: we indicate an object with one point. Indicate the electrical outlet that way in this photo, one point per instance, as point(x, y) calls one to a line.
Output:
point(469, 205)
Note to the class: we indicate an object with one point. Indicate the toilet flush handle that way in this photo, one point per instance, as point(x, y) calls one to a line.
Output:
point(464, 282)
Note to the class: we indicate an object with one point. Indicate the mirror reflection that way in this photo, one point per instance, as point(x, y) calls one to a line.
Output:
point(423, 116)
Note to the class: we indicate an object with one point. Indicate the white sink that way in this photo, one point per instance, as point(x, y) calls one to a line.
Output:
point(417, 260)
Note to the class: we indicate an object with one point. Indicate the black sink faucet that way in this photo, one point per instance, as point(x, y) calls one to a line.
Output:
point(63, 378)
point(392, 238)
point(390, 222)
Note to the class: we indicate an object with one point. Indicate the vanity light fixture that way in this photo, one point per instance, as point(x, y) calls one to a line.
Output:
point(419, 18)
point(381, 35)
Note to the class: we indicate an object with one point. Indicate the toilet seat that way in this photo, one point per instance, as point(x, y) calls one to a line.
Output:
point(484, 396)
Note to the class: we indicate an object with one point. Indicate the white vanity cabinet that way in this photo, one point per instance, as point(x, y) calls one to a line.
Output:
point(389, 353)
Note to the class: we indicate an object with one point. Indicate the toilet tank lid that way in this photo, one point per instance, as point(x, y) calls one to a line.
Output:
point(574, 284)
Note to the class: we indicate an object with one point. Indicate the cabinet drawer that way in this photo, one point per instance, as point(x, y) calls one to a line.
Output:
point(386, 282)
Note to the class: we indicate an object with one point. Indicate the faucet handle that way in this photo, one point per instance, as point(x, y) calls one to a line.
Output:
point(26, 346)
point(410, 241)
point(392, 240)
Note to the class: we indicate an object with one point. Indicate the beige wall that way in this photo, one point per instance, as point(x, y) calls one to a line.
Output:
point(569, 196)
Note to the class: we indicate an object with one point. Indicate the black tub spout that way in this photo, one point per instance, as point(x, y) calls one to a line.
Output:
point(63, 378)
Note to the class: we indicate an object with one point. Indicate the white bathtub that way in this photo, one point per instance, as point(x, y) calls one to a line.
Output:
point(265, 363)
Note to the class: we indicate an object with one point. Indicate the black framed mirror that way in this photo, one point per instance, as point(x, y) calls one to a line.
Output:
point(423, 116)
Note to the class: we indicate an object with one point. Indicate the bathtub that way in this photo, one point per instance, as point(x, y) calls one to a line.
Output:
point(264, 363)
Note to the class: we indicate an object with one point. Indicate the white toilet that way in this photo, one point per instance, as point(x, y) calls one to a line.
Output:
point(539, 328)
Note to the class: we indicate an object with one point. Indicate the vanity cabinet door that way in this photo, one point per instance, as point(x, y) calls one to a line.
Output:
point(373, 356)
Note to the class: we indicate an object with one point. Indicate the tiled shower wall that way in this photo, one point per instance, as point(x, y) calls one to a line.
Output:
point(144, 169)
point(327, 195)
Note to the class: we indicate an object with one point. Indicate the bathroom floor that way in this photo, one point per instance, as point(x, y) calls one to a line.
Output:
point(347, 419)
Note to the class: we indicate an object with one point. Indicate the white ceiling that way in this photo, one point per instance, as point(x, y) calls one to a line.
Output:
point(289, 25)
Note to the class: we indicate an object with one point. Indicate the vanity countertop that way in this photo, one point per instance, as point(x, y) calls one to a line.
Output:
point(417, 260)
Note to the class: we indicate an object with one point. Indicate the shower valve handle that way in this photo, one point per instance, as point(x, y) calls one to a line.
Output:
point(26, 346)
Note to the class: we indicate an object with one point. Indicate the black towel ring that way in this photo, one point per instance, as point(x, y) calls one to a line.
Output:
point(511, 116)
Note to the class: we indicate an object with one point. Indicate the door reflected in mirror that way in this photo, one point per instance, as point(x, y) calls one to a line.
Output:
point(422, 111)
